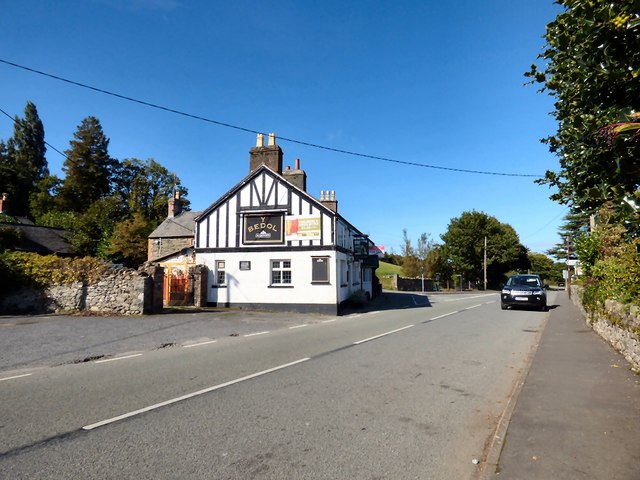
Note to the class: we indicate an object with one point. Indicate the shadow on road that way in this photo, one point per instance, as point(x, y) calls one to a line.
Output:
point(391, 301)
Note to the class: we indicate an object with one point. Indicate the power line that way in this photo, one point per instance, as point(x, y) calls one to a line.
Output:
point(13, 119)
point(249, 130)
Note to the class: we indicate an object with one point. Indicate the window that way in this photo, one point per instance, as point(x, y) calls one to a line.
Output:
point(221, 277)
point(319, 269)
point(280, 272)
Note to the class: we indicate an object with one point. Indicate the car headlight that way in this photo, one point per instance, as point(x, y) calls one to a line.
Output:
point(505, 290)
point(538, 292)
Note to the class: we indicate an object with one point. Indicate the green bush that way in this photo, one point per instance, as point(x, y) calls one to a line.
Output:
point(24, 269)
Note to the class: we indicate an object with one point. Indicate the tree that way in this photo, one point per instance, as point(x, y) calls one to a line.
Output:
point(415, 262)
point(591, 66)
point(23, 163)
point(545, 267)
point(129, 240)
point(145, 187)
point(464, 247)
point(575, 225)
point(88, 167)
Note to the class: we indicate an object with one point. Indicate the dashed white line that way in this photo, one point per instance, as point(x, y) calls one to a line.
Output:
point(190, 395)
point(117, 358)
point(329, 321)
point(209, 342)
point(16, 376)
point(473, 306)
point(382, 335)
point(445, 315)
point(298, 326)
point(255, 334)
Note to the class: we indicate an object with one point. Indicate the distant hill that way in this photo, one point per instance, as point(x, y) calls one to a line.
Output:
point(385, 271)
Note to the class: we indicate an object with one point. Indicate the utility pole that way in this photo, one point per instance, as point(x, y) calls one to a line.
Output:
point(568, 266)
point(485, 263)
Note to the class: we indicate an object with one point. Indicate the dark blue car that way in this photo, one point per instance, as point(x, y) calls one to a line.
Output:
point(524, 291)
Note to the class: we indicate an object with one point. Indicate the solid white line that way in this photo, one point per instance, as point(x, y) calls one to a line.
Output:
point(117, 358)
point(381, 335)
point(329, 321)
point(190, 395)
point(16, 376)
point(473, 306)
point(199, 344)
point(254, 334)
point(298, 326)
point(445, 315)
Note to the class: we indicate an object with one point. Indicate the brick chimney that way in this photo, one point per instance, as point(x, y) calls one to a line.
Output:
point(270, 155)
point(175, 205)
point(328, 199)
point(297, 177)
point(4, 204)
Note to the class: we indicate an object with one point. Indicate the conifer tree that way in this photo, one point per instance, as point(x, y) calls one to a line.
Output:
point(89, 168)
point(23, 163)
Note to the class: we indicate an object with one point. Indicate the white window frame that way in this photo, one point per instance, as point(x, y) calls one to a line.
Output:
point(280, 267)
point(221, 273)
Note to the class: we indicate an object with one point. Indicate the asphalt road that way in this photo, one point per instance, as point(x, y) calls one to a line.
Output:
point(413, 390)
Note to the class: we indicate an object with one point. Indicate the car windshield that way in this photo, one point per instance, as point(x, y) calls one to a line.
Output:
point(524, 282)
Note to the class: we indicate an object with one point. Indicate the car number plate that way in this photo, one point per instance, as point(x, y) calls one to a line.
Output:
point(522, 299)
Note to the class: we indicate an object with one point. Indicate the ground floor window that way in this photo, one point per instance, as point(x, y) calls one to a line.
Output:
point(280, 272)
point(221, 275)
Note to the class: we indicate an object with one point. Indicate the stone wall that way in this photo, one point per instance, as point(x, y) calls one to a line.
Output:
point(619, 325)
point(120, 291)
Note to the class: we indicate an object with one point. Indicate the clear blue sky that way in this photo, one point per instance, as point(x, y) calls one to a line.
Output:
point(428, 82)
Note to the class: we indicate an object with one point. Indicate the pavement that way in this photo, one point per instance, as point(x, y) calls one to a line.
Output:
point(577, 414)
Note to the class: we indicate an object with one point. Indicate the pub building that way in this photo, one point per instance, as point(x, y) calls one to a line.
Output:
point(268, 244)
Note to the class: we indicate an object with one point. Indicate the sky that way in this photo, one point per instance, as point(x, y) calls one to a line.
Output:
point(421, 84)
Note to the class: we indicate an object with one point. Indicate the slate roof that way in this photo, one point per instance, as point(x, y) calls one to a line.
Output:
point(40, 239)
point(182, 225)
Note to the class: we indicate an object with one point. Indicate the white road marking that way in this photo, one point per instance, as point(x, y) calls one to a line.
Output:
point(445, 315)
point(254, 334)
point(16, 376)
point(117, 358)
point(298, 326)
point(473, 306)
point(329, 321)
point(382, 335)
point(199, 344)
point(190, 395)
point(492, 301)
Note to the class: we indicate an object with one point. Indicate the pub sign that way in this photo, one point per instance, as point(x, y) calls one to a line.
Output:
point(263, 229)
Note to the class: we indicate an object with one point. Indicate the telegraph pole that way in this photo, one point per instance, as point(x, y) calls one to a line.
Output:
point(568, 266)
point(485, 263)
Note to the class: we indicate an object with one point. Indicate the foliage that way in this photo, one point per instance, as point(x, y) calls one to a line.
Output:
point(545, 267)
point(89, 168)
point(22, 160)
point(611, 262)
point(574, 225)
point(591, 66)
point(10, 237)
point(129, 240)
point(392, 258)
point(421, 260)
point(464, 247)
point(25, 269)
point(145, 187)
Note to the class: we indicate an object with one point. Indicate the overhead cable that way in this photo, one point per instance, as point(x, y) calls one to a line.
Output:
point(249, 130)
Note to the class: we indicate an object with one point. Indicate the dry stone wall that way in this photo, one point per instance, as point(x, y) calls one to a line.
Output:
point(120, 291)
point(619, 325)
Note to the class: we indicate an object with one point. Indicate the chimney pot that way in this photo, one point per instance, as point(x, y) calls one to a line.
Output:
point(260, 140)
point(297, 164)
point(272, 140)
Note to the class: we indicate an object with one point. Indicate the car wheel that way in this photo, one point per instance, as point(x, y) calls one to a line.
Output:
point(503, 306)
point(544, 308)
